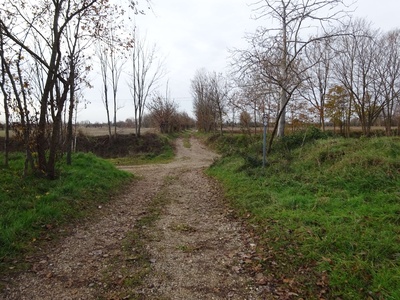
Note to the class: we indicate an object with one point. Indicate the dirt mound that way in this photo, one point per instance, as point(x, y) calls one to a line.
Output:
point(103, 146)
point(122, 145)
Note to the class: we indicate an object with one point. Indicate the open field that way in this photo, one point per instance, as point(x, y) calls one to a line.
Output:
point(289, 130)
point(100, 131)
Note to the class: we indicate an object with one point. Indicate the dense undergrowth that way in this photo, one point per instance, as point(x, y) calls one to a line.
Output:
point(326, 210)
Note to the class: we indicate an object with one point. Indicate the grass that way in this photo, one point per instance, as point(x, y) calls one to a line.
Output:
point(329, 206)
point(186, 139)
point(135, 263)
point(157, 156)
point(30, 207)
point(142, 159)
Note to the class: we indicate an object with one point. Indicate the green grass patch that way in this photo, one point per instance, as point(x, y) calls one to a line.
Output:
point(186, 139)
point(135, 263)
point(142, 159)
point(181, 227)
point(30, 207)
point(187, 248)
point(162, 155)
point(331, 204)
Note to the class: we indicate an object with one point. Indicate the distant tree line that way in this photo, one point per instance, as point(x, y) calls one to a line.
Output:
point(210, 97)
point(342, 75)
point(160, 117)
point(165, 116)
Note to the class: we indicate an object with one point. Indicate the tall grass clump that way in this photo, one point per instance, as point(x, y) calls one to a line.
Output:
point(31, 207)
point(328, 205)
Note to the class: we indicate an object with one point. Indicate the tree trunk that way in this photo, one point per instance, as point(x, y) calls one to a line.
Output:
point(51, 165)
point(282, 119)
point(6, 130)
point(55, 136)
point(5, 101)
point(283, 109)
point(115, 111)
point(388, 121)
point(348, 117)
point(255, 121)
point(71, 108)
point(284, 97)
point(221, 125)
point(107, 111)
point(44, 101)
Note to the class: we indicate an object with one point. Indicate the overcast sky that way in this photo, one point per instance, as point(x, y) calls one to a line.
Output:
point(198, 34)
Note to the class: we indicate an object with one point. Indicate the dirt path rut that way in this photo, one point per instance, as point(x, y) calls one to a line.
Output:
point(194, 249)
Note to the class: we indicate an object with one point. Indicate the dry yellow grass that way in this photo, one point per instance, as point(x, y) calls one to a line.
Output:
point(98, 131)
point(91, 131)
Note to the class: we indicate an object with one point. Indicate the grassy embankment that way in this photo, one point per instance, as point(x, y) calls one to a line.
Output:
point(326, 211)
point(157, 154)
point(32, 208)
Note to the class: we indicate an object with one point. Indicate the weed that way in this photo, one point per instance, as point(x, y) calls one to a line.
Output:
point(31, 207)
point(136, 260)
point(182, 227)
point(186, 139)
point(332, 203)
point(187, 248)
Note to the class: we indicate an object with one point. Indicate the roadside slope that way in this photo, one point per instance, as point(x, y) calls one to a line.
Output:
point(195, 249)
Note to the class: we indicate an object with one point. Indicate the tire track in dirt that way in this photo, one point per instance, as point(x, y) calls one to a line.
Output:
point(195, 247)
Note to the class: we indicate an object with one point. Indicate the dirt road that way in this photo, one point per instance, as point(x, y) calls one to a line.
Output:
point(169, 236)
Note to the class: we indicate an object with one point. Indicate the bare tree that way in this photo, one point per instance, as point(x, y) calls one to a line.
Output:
point(185, 121)
point(356, 70)
point(6, 100)
point(163, 111)
point(275, 52)
point(256, 95)
point(338, 101)
point(210, 92)
point(15, 87)
point(116, 64)
point(202, 105)
point(45, 25)
point(388, 71)
point(79, 67)
point(145, 75)
point(112, 53)
point(314, 89)
point(232, 107)
point(218, 93)
point(245, 120)
point(396, 114)
point(103, 59)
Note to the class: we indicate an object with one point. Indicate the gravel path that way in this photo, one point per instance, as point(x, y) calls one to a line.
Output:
point(194, 249)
